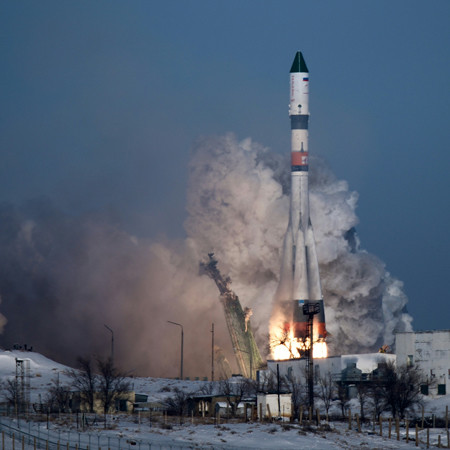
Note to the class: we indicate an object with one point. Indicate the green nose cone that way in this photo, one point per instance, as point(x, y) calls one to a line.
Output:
point(299, 64)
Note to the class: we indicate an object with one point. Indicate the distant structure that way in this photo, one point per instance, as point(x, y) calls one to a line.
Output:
point(22, 385)
point(238, 321)
point(430, 351)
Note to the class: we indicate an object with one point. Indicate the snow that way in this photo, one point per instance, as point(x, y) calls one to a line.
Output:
point(134, 431)
point(128, 434)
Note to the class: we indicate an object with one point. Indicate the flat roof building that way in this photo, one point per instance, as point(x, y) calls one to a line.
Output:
point(430, 351)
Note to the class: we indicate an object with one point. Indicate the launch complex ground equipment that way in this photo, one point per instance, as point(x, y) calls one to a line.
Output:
point(22, 386)
point(310, 310)
point(244, 345)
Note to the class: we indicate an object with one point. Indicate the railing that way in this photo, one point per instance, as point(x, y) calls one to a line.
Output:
point(27, 435)
point(64, 432)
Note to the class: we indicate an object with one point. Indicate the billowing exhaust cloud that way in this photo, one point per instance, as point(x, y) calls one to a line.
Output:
point(62, 278)
point(238, 205)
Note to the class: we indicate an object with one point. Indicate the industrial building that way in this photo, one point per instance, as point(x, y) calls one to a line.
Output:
point(344, 367)
point(430, 351)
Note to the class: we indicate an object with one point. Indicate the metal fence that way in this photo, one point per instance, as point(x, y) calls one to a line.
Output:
point(87, 432)
point(19, 434)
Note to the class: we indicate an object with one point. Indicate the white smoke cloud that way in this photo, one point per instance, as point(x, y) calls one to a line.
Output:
point(238, 205)
point(62, 278)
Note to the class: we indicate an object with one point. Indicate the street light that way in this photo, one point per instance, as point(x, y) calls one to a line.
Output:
point(212, 353)
point(112, 343)
point(182, 343)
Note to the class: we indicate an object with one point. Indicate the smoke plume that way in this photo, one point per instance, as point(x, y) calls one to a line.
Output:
point(62, 278)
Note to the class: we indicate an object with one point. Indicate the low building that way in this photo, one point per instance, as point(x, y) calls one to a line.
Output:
point(243, 409)
point(351, 367)
point(209, 405)
point(273, 406)
point(430, 351)
point(123, 402)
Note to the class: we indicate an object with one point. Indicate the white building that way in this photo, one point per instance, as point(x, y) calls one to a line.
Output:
point(334, 365)
point(273, 405)
point(430, 351)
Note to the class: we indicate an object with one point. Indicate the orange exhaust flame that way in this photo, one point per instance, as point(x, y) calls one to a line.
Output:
point(288, 347)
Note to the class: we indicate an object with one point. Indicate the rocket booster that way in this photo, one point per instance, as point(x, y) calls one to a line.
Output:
point(300, 280)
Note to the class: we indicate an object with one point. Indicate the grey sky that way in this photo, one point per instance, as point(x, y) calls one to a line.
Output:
point(101, 101)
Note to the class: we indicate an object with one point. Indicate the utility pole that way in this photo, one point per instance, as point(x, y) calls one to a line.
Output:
point(112, 343)
point(182, 344)
point(212, 353)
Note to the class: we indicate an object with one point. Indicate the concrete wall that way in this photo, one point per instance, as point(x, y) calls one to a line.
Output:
point(334, 365)
point(430, 351)
point(266, 402)
point(125, 400)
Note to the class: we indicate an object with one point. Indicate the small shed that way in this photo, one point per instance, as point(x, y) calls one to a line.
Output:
point(268, 406)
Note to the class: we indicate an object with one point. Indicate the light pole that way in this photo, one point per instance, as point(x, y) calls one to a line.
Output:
point(112, 343)
point(182, 343)
point(212, 353)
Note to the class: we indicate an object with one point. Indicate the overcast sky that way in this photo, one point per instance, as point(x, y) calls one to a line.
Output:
point(101, 102)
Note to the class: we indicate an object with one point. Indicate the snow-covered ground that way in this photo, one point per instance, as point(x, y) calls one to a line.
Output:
point(128, 434)
point(134, 432)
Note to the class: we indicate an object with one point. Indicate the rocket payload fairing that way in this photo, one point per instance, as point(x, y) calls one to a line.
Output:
point(300, 280)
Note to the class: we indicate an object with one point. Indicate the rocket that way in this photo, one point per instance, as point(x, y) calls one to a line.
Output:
point(300, 280)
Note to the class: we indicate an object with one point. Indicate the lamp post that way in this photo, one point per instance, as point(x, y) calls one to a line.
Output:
point(182, 343)
point(112, 343)
point(212, 353)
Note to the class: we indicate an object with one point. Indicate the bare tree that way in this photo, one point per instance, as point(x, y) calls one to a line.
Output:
point(267, 382)
point(208, 388)
point(85, 381)
point(111, 383)
point(299, 394)
point(363, 391)
point(377, 397)
point(235, 389)
point(325, 391)
point(401, 388)
point(283, 338)
point(12, 394)
point(58, 396)
point(342, 396)
point(177, 404)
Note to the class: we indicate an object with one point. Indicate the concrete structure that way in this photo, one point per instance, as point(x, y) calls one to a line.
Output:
point(209, 405)
point(243, 409)
point(245, 349)
point(430, 351)
point(267, 406)
point(123, 402)
point(335, 365)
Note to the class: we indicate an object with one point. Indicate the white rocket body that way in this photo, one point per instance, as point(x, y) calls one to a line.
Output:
point(300, 279)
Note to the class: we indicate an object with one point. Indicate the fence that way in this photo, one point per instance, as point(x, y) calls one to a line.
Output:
point(420, 431)
point(86, 432)
point(19, 434)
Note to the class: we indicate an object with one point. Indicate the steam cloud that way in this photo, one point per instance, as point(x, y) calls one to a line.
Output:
point(62, 278)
